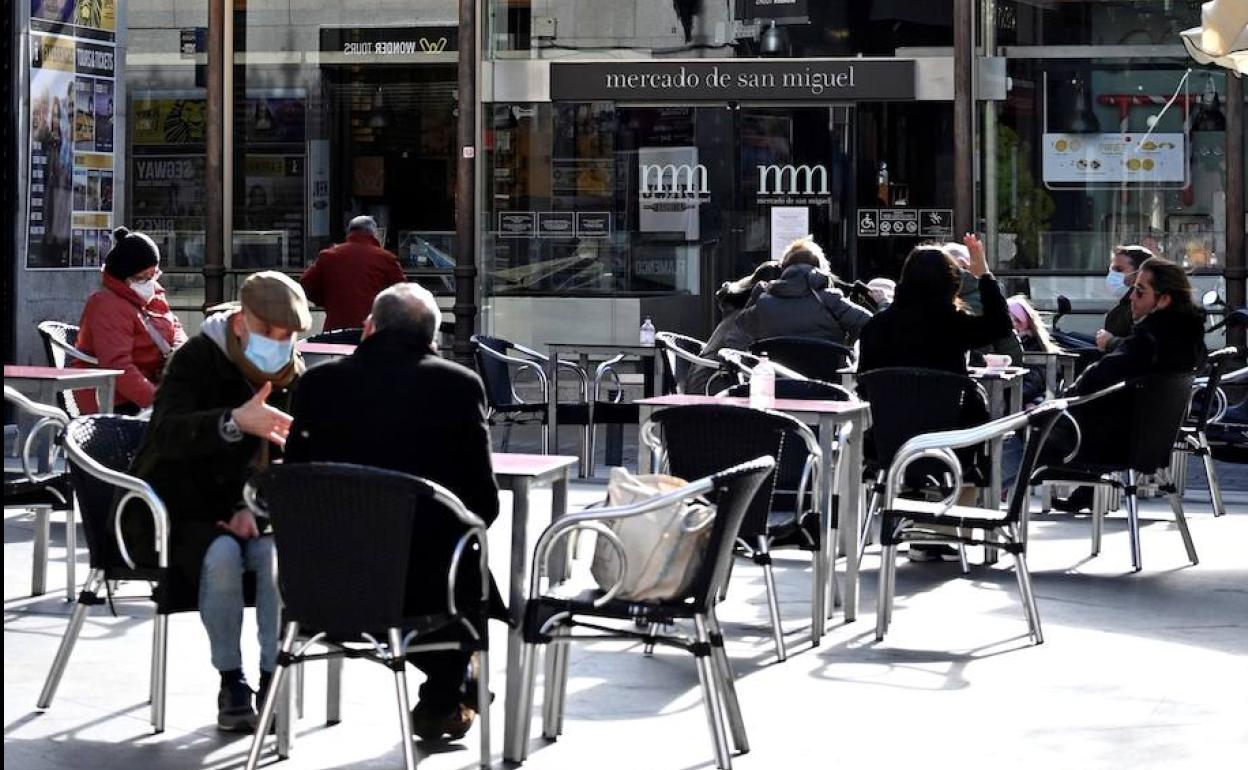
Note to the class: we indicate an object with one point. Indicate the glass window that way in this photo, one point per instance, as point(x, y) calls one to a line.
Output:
point(720, 28)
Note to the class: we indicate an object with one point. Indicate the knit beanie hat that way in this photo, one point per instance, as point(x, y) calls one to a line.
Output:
point(131, 253)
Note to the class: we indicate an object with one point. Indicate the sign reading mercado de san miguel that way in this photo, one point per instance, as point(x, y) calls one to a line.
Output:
point(818, 80)
point(73, 88)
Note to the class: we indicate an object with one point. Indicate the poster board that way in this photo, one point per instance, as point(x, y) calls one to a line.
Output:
point(73, 172)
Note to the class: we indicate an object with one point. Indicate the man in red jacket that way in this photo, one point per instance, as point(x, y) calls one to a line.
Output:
point(347, 277)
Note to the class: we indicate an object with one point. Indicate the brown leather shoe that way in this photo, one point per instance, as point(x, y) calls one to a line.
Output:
point(430, 726)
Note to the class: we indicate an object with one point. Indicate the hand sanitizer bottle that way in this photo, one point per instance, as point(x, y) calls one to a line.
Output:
point(647, 332)
point(763, 384)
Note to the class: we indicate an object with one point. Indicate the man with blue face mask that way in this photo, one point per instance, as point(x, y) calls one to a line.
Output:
point(1123, 267)
point(219, 416)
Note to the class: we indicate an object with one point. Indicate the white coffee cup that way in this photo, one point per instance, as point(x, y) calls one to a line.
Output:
point(996, 360)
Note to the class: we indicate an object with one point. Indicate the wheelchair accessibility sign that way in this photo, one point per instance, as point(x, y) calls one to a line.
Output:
point(868, 223)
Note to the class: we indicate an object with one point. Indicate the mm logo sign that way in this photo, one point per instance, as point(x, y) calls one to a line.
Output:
point(674, 180)
point(792, 180)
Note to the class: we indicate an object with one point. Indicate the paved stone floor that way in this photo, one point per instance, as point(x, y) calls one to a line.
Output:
point(1144, 670)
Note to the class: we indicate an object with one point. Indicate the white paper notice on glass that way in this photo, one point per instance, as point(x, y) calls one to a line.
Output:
point(788, 223)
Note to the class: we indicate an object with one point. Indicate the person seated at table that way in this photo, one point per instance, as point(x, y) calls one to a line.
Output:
point(1124, 268)
point(127, 324)
point(217, 419)
point(929, 327)
point(1033, 337)
point(968, 294)
point(1168, 335)
point(414, 412)
point(803, 302)
point(731, 298)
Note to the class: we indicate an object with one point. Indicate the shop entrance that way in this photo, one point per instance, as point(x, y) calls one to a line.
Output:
point(716, 190)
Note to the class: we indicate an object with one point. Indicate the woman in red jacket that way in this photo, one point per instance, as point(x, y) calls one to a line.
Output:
point(127, 324)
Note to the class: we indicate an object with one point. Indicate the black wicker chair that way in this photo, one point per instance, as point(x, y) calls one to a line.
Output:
point(914, 521)
point(496, 358)
point(344, 537)
point(43, 492)
point(551, 616)
point(682, 355)
point(1148, 414)
point(348, 336)
point(815, 358)
point(59, 341)
point(694, 441)
point(100, 449)
point(1193, 437)
point(908, 401)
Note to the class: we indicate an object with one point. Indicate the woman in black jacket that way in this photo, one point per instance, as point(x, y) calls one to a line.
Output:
point(926, 326)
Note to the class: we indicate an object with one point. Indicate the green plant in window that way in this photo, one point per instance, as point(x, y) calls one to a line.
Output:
point(1024, 206)
point(89, 13)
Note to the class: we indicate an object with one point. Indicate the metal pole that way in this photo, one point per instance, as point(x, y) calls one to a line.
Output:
point(218, 167)
point(989, 22)
point(963, 117)
point(1235, 222)
point(465, 308)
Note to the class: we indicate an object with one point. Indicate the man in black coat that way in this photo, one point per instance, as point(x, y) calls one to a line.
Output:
point(395, 404)
point(1168, 336)
point(218, 418)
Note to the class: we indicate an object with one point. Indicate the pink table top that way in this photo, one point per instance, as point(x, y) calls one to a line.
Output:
point(514, 464)
point(326, 348)
point(780, 404)
point(52, 373)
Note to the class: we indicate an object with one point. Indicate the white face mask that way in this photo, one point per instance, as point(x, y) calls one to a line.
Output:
point(145, 289)
point(1117, 282)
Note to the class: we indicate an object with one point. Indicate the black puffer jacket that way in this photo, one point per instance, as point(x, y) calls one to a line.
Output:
point(1166, 340)
point(802, 303)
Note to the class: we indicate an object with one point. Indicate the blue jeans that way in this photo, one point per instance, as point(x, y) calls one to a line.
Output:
point(221, 599)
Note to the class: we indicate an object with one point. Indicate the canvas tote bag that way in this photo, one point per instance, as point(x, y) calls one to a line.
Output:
point(664, 547)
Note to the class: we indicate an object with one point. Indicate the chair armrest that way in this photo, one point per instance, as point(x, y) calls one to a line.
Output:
point(519, 363)
point(939, 445)
point(135, 489)
point(49, 416)
point(582, 519)
point(74, 352)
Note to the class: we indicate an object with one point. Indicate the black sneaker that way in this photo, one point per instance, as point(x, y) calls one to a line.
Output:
point(236, 713)
point(933, 553)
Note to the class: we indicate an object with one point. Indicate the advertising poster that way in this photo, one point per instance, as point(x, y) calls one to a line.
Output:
point(73, 73)
point(1091, 158)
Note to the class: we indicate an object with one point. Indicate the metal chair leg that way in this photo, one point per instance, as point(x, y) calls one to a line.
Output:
point(160, 654)
point(271, 698)
point(727, 683)
point(1215, 489)
point(400, 690)
point(773, 604)
point(39, 571)
point(1099, 503)
point(556, 687)
point(297, 676)
point(545, 439)
point(333, 692)
point(883, 593)
point(647, 649)
point(71, 549)
point(714, 709)
point(1133, 520)
point(524, 709)
point(1176, 505)
point(483, 707)
point(94, 581)
point(1028, 596)
point(966, 566)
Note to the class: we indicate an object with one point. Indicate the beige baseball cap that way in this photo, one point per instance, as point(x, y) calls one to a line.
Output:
point(276, 299)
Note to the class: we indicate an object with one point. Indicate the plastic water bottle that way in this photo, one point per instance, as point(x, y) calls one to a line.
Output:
point(647, 332)
point(763, 384)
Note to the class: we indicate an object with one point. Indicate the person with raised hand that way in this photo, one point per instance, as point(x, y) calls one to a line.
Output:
point(220, 415)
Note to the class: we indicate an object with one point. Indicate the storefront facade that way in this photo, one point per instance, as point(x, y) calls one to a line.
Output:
point(631, 156)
